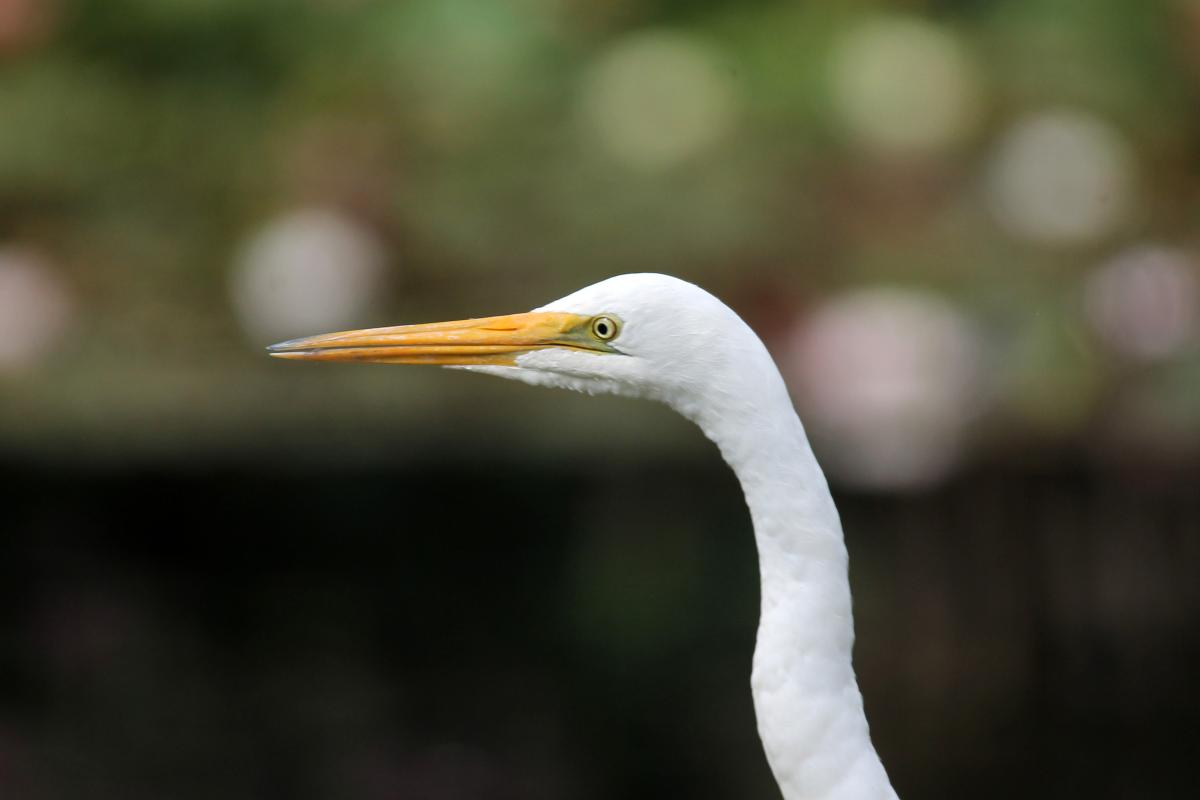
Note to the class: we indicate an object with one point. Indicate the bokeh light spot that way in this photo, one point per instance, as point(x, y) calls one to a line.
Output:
point(306, 272)
point(904, 86)
point(35, 307)
point(25, 23)
point(1061, 178)
point(892, 376)
point(461, 65)
point(1144, 302)
point(657, 99)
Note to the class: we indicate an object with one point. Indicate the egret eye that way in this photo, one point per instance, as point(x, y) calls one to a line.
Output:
point(604, 328)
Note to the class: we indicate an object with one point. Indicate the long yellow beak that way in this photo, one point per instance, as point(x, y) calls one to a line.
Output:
point(492, 340)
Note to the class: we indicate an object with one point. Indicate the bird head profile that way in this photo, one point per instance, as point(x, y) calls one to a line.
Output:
point(637, 335)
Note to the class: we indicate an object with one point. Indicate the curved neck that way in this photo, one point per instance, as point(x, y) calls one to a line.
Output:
point(807, 701)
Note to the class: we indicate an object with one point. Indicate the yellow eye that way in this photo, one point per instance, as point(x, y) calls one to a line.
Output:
point(604, 328)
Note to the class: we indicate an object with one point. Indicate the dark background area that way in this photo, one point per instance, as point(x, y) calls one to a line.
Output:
point(459, 625)
point(966, 230)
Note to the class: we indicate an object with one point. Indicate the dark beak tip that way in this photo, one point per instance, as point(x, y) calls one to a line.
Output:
point(279, 347)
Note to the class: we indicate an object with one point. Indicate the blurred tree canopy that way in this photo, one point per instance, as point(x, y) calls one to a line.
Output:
point(1020, 162)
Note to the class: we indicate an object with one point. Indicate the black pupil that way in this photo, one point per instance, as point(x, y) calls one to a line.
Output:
point(602, 328)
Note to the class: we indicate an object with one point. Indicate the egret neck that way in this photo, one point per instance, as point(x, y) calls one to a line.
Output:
point(806, 697)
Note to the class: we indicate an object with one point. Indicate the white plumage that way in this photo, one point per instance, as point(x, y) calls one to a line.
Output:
point(677, 344)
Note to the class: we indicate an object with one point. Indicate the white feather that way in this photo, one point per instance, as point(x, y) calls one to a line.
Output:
point(680, 345)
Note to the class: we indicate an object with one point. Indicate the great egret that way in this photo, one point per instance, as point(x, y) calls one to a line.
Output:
point(654, 336)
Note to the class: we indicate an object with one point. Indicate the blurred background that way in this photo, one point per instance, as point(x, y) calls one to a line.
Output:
point(967, 229)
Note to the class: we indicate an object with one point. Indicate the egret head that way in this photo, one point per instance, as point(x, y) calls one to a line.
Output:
point(642, 335)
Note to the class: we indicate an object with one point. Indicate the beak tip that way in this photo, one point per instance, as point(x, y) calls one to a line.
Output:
point(279, 347)
point(292, 348)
